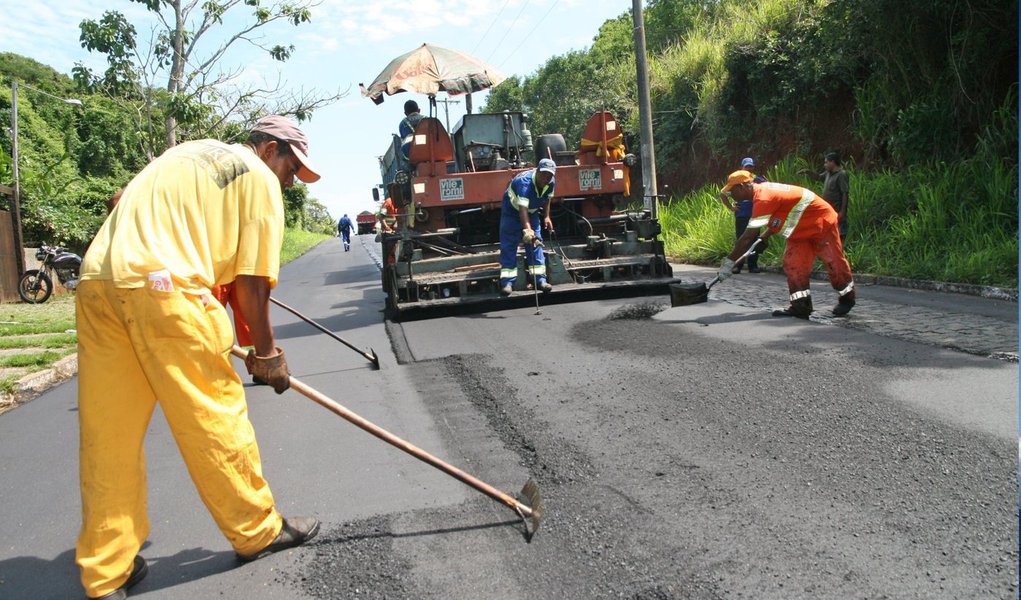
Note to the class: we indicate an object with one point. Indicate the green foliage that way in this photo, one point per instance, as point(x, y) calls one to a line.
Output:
point(50, 341)
point(295, 198)
point(35, 359)
point(298, 242)
point(49, 147)
point(930, 221)
point(173, 85)
point(506, 96)
point(73, 158)
point(923, 97)
point(114, 36)
point(317, 218)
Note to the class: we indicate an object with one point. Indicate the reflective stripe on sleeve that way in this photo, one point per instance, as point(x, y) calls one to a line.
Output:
point(515, 199)
point(759, 221)
point(801, 294)
point(796, 212)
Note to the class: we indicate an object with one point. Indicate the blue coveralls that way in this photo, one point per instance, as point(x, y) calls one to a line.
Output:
point(522, 192)
point(407, 130)
point(344, 226)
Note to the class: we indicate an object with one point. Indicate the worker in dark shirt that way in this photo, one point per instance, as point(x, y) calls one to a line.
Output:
point(836, 188)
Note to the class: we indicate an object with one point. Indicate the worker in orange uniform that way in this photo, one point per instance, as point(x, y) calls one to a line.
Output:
point(810, 225)
point(387, 217)
point(202, 214)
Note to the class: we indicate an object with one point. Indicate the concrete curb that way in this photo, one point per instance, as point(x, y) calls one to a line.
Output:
point(33, 384)
point(968, 289)
point(984, 291)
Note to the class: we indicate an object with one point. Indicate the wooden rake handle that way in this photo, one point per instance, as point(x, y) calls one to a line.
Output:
point(356, 420)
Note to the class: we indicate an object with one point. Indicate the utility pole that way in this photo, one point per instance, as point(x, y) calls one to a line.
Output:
point(446, 108)
point(651, 199)
point(19, 250)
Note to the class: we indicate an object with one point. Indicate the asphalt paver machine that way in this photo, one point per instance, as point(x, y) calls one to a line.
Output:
point(444, 254)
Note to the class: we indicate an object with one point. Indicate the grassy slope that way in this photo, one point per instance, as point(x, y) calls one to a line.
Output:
point(944, 222)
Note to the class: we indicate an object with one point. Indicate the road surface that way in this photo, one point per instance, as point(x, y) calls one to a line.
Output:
point(708, 451)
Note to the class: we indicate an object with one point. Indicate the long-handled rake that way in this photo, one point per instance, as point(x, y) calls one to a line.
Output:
point(531, 511)
point(535, 277)
point(370, 354)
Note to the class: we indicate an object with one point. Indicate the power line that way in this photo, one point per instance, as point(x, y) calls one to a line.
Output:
point(508, 30)
point(491, 23)
point(524, 39)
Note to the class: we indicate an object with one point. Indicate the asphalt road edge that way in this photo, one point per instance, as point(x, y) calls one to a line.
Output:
point(30, 386)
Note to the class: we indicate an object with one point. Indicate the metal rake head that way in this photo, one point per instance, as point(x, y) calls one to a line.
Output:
point(532, 518)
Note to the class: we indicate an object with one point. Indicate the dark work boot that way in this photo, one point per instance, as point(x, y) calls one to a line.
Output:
point(800, 308)
point(844, 305)
point(295, 532)
point(139, 570)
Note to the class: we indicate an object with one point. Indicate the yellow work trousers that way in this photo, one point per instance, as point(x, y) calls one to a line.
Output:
point(137, 347)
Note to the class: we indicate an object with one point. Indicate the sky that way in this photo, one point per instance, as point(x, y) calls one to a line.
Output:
point(347, 42)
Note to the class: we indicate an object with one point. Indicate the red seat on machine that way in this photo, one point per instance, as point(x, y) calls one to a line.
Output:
point(431, 143)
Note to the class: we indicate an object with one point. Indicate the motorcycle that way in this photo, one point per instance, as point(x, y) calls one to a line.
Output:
point(36, 285)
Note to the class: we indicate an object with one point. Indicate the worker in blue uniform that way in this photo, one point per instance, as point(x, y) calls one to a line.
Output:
point(408, 124)
point(344, 227)
point(528, 193)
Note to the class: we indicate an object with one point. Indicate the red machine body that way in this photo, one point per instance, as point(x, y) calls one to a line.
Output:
point(450, 190)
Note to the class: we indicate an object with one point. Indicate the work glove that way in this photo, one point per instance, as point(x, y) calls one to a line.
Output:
point(271, 369)
point(726, 269)
point(528, 238)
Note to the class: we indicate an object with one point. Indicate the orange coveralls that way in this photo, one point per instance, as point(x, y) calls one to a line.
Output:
point(225, 294)
point(810, 225)
point(388, 222)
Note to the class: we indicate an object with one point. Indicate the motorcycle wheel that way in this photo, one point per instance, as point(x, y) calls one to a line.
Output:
point(35, 287)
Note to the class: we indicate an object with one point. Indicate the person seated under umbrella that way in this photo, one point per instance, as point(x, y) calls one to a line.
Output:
point(408, 124)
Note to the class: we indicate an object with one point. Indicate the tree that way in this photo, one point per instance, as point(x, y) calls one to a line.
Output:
point(295, 198)
point(173, 86)
point(318, 219)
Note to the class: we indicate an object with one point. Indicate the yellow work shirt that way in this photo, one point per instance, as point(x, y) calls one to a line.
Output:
point(205, 211)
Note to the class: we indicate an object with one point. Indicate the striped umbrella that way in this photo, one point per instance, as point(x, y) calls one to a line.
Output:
point(430, 69)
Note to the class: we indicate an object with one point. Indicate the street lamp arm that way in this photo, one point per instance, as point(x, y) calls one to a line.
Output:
point(74, 101)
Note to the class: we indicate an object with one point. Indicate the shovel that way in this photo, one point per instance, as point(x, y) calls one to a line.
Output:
point(530, 513)
point(685, 294)
point(369, 354)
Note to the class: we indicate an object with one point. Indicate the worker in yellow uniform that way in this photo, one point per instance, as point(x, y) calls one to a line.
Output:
point(203, 214)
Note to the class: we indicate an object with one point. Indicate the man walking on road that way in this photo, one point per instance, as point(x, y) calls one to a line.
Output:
point(810, 225)
point(344, 226)
point(527, 194)
point(202, 214)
